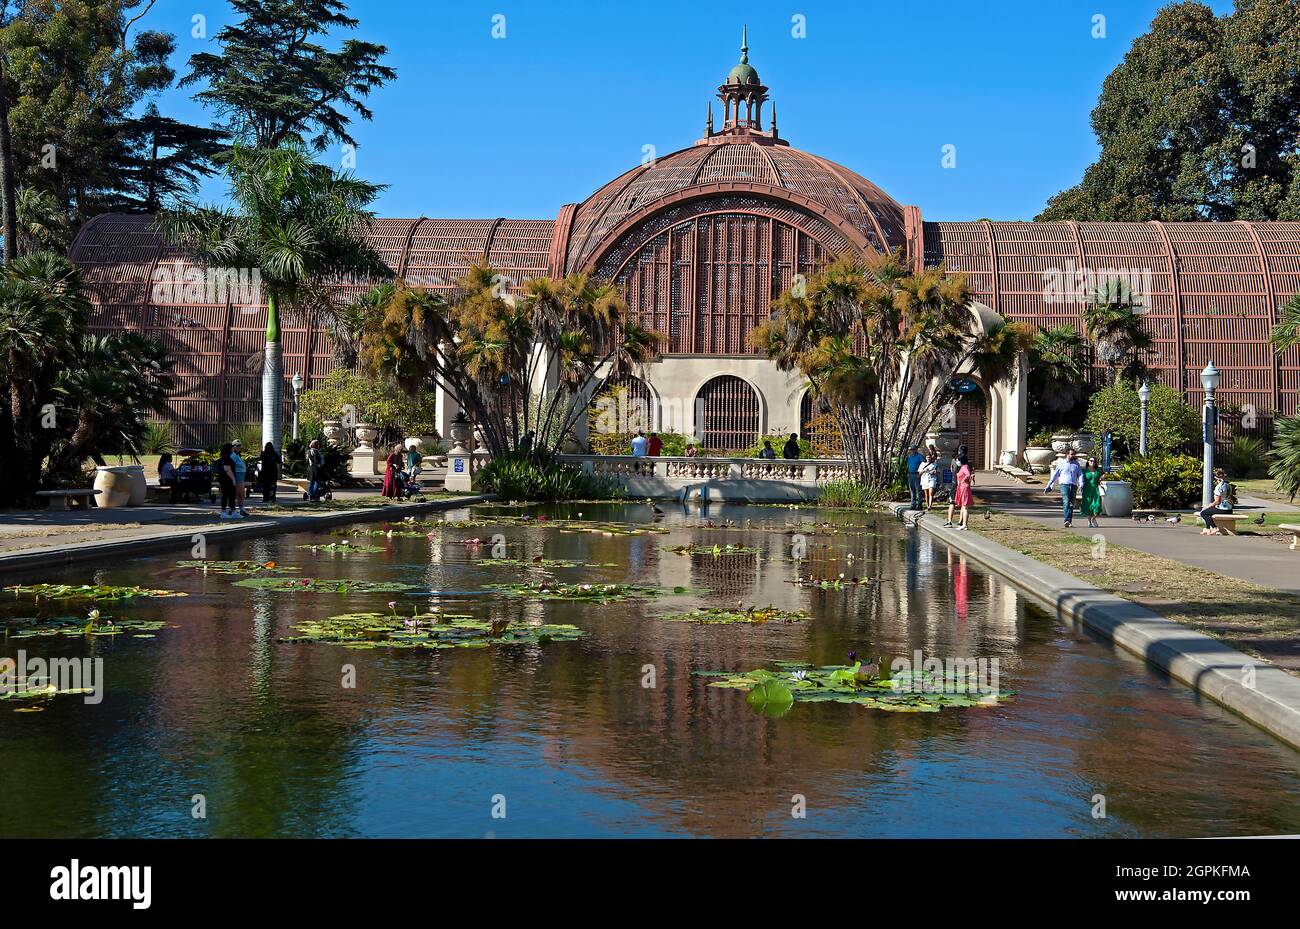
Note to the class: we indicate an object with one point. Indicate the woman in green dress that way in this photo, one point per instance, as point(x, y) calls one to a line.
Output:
point(1091, 503)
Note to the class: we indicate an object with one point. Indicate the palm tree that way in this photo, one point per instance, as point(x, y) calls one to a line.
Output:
point(43, 313)
point(1057, 369)
point(1113, 321)
point(1286, 334)
point(295, 223)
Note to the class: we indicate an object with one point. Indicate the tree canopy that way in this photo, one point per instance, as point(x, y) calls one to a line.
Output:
point(1198, 122)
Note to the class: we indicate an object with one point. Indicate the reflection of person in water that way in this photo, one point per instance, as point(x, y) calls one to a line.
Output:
point(961, 590)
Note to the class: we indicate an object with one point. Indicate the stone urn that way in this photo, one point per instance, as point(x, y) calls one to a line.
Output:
point(1084, 443)
point(462, 431)
point(116, 485)
point(366, 435)
point(1117, 498)
point(1039, 457)
point(335, 434)
point(1062, 442)
point(1008, 458)
point(944, 441)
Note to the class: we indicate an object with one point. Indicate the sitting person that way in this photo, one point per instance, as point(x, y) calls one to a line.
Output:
point(791, 450)
point(1222, 502)
point(767, 452)
point(167, 476)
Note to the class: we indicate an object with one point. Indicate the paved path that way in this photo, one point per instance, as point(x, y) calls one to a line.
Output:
point(29, 540)
point(1260, 560)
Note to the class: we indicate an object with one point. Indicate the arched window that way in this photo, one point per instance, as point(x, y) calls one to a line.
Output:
point(619, 411)
point(818, 426)
point(726, 409)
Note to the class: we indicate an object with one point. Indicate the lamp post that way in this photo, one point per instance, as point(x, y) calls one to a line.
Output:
point(1209, 418)
point(1144, 395)
point(297, 388)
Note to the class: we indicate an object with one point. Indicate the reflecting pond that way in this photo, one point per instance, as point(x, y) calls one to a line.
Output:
point(615, 732)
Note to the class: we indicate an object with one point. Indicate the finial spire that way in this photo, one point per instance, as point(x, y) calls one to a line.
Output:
point(773, 119)
point(708, 126)
point(744, 44)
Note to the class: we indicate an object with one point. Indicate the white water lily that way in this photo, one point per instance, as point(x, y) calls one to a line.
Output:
point(93, 615)
point(799, 675)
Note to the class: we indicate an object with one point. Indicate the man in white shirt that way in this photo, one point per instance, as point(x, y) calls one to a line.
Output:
point(1069, 475)
point(639, 445)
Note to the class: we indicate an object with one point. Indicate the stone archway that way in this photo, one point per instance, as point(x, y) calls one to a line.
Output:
point(727, 411)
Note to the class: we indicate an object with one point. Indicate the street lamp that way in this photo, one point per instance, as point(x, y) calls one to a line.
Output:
point(1144, 394)
point(1209, 419)
point(296, 381)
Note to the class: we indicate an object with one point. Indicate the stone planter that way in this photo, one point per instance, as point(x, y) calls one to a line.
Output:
point(335, 434)
point(1039, 457)
point(944, 441)
point(1008, 458)
point(1062, 442)
point(1117, 498)
point(139, 486)
point(1084, 443)
point(116, 485)
point(461, 432)
point(366, 435)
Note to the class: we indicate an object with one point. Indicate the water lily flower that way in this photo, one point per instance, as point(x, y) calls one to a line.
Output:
point(853, 656)
point(392, 605)
point(93, 616)
point(799, 675)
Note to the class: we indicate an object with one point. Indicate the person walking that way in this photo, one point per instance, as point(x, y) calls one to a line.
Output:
point(961, 497)
point(1222, 503)
point(791, 450)
point(1069, 476)
point(226, 481)
point(654, 446)
point(315, 469)
point(269, 472)
point(639, 445)
point(914, 461)
point(241, 471)
point(1090, 495)
point(929, 472)
point(392, 465)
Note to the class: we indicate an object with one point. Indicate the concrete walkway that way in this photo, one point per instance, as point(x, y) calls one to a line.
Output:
point(31, 540)
point(1260, 560)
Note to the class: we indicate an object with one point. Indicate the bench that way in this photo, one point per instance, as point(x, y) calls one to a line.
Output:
point(1228, 522)
point(1295, 533)
point(1017, 474)
point(68, 499)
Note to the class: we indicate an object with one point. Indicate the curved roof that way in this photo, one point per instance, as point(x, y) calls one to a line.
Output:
point(759, 165)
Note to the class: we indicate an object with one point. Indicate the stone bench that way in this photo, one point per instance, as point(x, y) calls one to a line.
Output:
point(1016, 474)
point(1294, 529)
point(68, 499)
point(1228, 522)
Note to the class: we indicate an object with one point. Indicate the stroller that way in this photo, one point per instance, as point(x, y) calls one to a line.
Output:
point(408, 484)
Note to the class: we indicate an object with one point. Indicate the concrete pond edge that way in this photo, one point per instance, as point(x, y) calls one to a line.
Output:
point(1214, 670)
point(219, 532)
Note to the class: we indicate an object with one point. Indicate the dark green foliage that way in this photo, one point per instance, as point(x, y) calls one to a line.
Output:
point(1284, 458)
point(518, 477)
point(335, 470)
point(1171, 423)
point(273, 84)
point(1163, 482)
point(1246, 457)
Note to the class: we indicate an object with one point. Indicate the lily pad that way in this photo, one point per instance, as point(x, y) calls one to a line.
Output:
point(42, 693)
point(236, 567)
point(753, 615)
point(29, 627)
point(594, 593)
point(851, 684)
point(715, 551)
point(345, 547)
point(833, 583)
point(89, 591)
point(316, 585)
point(427, 630)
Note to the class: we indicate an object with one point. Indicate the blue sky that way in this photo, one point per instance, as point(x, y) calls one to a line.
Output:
point(477, 126)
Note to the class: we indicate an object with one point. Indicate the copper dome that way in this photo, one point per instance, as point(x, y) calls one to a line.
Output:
point(756, 166)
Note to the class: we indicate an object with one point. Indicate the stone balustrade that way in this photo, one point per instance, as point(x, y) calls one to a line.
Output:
point(749, 480)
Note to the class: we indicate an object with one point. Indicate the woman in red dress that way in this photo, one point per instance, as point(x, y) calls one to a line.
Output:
point(393, 465)
point(961, 496)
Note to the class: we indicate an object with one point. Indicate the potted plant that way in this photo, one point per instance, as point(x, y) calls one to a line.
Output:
point(1039, 452)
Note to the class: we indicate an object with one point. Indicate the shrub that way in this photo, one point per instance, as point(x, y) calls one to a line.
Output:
point(1040, 439)
point(517, 477)
point(335, 469)
point(1246, 457)
point(1171, 423)
point(374, 401)
point(157, 438)
point(1163, 482)
point(778, 443)
point(1284, 459)
point(620, 443)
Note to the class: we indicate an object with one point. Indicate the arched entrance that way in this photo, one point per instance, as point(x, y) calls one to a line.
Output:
point(973, 424)
point(617, 413)
point(726, 410)
point(818, 426)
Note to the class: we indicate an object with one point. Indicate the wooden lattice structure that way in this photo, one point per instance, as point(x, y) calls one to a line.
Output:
point(703, 238)
point(727, 414)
